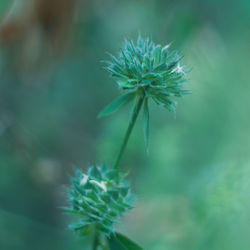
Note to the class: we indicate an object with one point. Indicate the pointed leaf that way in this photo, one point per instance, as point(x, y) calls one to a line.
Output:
point(131, 245)
point(121, 242)
point(117, 104)
point(115, 244)
point(94, 172)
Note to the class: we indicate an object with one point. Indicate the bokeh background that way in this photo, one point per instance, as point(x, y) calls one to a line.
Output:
point(193, 188)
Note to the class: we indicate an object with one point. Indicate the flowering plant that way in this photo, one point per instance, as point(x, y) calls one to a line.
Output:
point(101, 196)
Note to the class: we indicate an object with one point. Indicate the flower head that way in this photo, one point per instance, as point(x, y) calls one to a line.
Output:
point(99, 198)
point(150, 67)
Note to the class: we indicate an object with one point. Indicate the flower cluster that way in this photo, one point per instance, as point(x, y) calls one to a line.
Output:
point(99, 198)
point(150, 67)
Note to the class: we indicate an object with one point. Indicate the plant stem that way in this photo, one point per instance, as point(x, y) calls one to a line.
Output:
point(96, 240)
point(139, 101)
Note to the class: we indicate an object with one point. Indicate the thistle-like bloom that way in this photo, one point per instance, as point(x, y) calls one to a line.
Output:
point(150, 67)
point(99, 198)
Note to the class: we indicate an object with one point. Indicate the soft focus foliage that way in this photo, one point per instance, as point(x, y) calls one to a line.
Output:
point(193, 187)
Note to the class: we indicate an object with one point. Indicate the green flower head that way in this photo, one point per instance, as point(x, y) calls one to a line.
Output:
point(99, 198)
point(150, 67)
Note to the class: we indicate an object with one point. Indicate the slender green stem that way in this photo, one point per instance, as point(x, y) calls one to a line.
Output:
point(96, 240)
point(136, 111)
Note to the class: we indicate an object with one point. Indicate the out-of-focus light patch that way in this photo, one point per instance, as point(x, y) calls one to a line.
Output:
point(172, 222)
point(228, 192)
point(47, 171)
point(5, 123)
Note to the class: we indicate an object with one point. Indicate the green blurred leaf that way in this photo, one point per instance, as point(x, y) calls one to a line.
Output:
point(117, 104)
point(115, 244)
point(121, 242)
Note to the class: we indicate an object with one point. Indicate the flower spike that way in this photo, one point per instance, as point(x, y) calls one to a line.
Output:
point(151, 67)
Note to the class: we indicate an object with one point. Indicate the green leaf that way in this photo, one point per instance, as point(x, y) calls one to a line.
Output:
point(121, 242)
point(157, 54)
point(115, 244)
point(79, 226)
point(71, 211)
point(94, 172)
point(166, 103)
point(131, 245)
point(146, 123)
point(84, 228)
point(117, 104)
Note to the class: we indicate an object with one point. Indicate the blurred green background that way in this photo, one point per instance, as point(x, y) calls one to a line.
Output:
point(193, 189)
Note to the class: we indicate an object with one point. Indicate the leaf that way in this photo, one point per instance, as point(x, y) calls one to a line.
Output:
point(166, 103)
point(71, 211)
point(157, 54)
point(131, 245)
point(117, 104)
point(121, 242)
point(116, 61)
point(80, 225)
point(115, 244)
point(94, 172)
point(115, 73)
point(146, 123)
point(84, 228)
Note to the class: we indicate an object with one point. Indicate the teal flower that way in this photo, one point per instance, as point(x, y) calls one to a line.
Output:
point(152, 68)
point(99, 198)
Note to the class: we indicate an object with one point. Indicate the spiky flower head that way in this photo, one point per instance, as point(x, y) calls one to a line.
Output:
point(152, 68)
point(99, 198)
